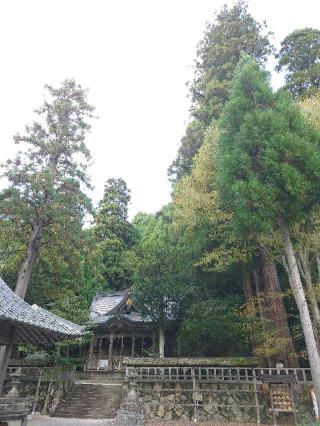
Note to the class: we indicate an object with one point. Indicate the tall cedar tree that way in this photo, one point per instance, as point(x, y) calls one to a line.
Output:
point(45, 178)
point(233, 32)
point(269, 172)
point(114, 233)
point(299, 57)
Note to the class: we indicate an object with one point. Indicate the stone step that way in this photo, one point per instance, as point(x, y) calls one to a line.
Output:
point(91, 401)
point(101, 376)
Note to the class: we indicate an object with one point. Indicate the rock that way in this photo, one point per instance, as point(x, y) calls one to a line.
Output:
point(208, 408)
point(219, 418)
point(170, 397)
point(168, 417)
point(157, 387)
point(198, 396)
point(160, 411)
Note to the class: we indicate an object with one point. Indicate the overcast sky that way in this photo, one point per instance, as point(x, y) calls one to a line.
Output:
point(135, 56)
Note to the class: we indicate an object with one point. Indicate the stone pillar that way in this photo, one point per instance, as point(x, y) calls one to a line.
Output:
point(110, 351)
point(162, 339)
point(132, 346)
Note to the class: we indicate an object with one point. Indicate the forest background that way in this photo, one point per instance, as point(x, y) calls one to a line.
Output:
point(234, 257)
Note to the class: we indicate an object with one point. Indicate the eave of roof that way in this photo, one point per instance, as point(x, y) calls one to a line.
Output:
point(33, 324)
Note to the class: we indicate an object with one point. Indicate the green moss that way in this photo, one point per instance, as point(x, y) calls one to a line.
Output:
point(193, 362)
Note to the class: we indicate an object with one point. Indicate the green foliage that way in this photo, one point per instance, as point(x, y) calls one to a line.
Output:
point(163, 276)
point(45, 181)
point(269, 157)
point(299, 57)
point(233, 32)
point(213, 327)
point(114, 233)
point(44, 178)
point(190, 144)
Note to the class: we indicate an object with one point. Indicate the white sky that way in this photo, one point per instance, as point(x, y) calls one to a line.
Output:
point(135, 56)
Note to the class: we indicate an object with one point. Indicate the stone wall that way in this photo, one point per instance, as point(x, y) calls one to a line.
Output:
point(218, 402)
point(47, 386)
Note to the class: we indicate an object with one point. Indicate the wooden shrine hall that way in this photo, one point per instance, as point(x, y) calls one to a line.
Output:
point(119, 331)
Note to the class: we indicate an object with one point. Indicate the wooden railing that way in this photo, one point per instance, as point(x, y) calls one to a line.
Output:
point(212, 374)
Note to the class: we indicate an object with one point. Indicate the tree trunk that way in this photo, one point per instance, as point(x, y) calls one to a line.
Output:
point(30, 258)
point(276, 311)
point(246, 284)
point(298, 292)
point(304, 269)
point(162, 339)
point(318, 265)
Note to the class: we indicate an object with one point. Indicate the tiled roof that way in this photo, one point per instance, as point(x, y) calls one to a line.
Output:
point(32, 323)
point(104, 303)
point(106, 307)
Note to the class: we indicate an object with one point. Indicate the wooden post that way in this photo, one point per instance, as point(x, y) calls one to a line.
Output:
point(110, 351)
point(132, 346)
point(4, 360)
point(99, 353)
point(120, 358)
point(153, 340)
point(90, 352)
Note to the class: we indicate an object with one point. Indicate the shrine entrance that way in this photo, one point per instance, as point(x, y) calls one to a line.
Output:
point(107, 350)
point(119, 332)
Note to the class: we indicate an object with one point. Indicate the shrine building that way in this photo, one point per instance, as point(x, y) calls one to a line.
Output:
point(119, 331)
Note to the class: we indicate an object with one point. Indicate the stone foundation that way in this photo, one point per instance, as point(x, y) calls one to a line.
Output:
point(216, 402)
point(46, 386)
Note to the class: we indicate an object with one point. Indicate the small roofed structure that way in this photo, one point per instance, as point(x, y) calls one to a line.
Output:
point(23, 323)
point(119, 331)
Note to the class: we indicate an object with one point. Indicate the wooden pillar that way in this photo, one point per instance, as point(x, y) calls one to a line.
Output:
point(153, 340)
point(110, 350)
point(132, 346)
point(90, 352)
point(4, 360)
point(99, 352)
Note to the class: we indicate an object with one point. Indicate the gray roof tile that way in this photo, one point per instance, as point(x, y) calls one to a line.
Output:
point(33, 323)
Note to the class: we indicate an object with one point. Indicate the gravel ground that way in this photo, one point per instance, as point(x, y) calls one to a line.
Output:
point(57, 421)
point(190, 423)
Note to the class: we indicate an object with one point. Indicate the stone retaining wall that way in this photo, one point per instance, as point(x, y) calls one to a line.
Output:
point(47, 386)
point(217, 402)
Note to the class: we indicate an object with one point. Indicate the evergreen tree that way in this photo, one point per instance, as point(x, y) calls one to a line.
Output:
point(44, 197)
point(162, 278)
point(114, 233)
point(299, 57)
point(269, 172)
point(233, 32)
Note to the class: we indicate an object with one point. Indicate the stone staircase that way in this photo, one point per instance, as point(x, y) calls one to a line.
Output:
point(95, 395)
